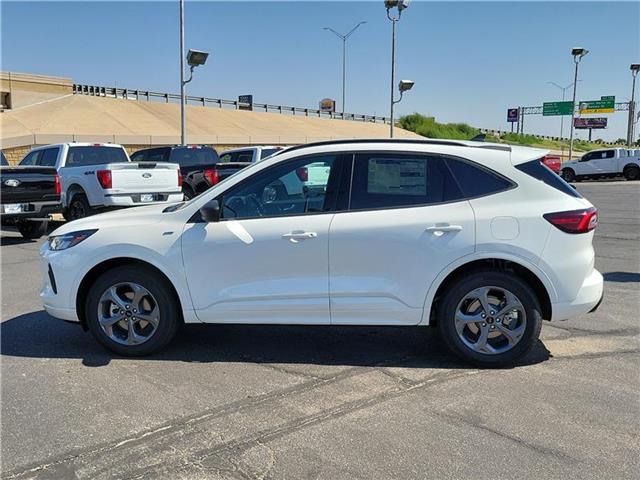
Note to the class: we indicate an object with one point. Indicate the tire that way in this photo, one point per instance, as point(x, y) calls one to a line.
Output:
point(78, 208)
point(32, 229)
point(499, 350)
point(188, 194)
point(116, 337)
point(568, 175)
point(632, 173)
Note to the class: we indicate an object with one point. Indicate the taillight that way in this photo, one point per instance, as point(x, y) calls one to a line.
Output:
point(58, 186)
point(180, 179)
point(211, 175)
point(574, 221)
point(303, 174)
point(104, 177)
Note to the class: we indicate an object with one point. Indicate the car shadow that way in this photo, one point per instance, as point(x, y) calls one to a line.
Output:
point(409, 347)
point(622, 277)
point(11, 240)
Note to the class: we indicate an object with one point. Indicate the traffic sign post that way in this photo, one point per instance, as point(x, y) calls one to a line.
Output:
point(557, 108)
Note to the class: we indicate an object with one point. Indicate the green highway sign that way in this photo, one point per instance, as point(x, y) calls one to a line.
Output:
point(606, 104)
point(557, 108)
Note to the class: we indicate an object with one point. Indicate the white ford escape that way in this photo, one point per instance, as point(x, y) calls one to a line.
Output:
point(481, 241)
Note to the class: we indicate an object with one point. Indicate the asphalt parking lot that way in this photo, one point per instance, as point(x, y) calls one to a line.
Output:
point(246, 402)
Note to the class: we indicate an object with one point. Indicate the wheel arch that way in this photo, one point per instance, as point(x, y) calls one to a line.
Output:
point(72, 190)
point(100, 268)
point(536, 279)
point(629, 166)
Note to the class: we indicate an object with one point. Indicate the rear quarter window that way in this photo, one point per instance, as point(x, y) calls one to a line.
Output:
point(539, 171)
point(475, 180)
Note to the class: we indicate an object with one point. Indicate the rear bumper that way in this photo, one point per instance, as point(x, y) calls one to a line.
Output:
point(134, 200)
point(37, 210)
point(588, 299)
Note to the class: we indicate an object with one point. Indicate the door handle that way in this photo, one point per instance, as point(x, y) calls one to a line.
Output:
point(439, 230)
point(296, 236)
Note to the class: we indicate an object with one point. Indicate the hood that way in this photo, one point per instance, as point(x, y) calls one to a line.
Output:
point(126, 217)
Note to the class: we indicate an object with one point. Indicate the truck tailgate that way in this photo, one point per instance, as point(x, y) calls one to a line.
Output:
point(28, 184)
point(145, 177)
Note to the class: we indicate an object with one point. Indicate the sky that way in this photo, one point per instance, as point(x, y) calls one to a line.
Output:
point(470, 60)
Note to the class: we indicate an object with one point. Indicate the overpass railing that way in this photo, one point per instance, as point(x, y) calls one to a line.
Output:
point(130, 94)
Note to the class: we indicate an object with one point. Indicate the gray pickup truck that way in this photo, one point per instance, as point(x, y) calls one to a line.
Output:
point(29, 196)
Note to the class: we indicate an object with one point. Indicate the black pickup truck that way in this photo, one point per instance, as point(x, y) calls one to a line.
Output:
point(200, 165)
point(29, 195)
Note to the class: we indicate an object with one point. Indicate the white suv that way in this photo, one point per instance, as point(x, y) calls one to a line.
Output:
point(481, 241)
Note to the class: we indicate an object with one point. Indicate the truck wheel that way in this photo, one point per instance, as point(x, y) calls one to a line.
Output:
point(188, 194)
point(78, 208)
point(568, 175)
point(632, 173)
point(490, 318)
point(132, 311)
point(32, 229)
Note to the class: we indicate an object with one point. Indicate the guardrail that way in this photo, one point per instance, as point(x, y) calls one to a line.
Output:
point(130, 94)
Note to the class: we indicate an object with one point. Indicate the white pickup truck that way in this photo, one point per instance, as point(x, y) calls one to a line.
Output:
point(96, 176)
point(604, 163)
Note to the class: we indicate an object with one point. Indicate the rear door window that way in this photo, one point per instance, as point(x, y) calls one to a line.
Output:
point(246, 156)
point(392, 180)
point(49, 157)
point(32, 158)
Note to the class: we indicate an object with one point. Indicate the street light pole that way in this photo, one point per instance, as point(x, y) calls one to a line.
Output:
point(400, 5)
point(632, 105)
point(577, 53)
point(183, 113)
point(344, 58)
point(564, 89)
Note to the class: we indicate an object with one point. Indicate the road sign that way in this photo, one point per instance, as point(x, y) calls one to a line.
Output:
point(557, 108)
point(584, 123)
point(247, 99)
point(512, 115)
point(604, 105)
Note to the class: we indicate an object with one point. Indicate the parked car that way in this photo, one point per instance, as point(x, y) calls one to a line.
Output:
point(478, 240)
point(28, 196)
point(252, 154)
point(95, 176)
point(553, 162)
point(604, 163)
point(200, 165)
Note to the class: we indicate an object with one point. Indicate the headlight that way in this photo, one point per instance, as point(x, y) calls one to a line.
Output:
point(68, 240)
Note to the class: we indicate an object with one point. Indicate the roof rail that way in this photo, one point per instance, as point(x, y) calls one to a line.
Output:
point(414, 141)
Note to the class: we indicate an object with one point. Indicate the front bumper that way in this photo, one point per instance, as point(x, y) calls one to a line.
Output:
point(588, 299)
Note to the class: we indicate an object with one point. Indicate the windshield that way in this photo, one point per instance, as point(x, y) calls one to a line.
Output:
point(194, 156)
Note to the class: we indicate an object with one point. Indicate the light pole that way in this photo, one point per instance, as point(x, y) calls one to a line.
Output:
point(635, 67)
point(344, 58)
point(195, 58)
point(577, 53)
point(564, 89)
point(403, 86)
point(400, 5)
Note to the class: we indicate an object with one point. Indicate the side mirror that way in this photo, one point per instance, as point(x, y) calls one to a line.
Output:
point(210, 211)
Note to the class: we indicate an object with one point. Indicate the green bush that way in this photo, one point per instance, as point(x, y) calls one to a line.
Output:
point(428, 127)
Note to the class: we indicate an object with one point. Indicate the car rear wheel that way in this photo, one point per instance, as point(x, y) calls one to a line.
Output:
point(491, 319)
point(78, 208)
point(32, 229)
point(632, 173)
point(568, 175)
point(131, 311)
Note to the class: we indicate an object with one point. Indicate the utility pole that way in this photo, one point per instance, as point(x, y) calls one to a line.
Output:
point(577, 53)
point(632, 105)
point(183, 112)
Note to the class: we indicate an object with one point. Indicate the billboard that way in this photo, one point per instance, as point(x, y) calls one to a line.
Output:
point(247, 99)
point(328, 105)
point(584, 123)
point(512, 115)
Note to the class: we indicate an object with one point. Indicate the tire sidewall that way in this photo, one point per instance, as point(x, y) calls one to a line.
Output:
point(632, 173)
point(169, 314)
point(82, 200)
point(510, 282)
point(567, 172)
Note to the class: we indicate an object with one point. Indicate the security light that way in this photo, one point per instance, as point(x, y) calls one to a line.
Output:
point(579, 52)
point(195, 58)
point(405, 85)
point(401, 4)
point(635, 67)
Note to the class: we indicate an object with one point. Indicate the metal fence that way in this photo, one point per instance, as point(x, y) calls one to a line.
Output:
point(130, 94)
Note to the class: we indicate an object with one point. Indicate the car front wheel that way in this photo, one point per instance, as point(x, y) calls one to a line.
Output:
point(568, 175)
point(131, 311)
point(491, 319)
